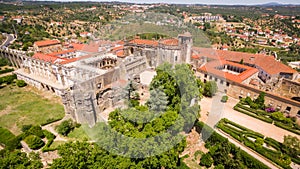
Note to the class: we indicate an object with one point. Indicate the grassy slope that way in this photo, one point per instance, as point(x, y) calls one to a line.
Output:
point(19, 107)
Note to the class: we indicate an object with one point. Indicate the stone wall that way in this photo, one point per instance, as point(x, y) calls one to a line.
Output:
point(291, 87)
point(286, 105)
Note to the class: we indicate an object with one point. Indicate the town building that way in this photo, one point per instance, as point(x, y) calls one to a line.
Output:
point(47, 46)
point(244, 74)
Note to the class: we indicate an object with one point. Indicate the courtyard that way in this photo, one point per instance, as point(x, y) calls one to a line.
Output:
point(213, 110)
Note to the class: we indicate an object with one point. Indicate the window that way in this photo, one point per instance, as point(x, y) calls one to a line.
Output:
point(216, 79)
point(288, 109)
point(227, 84)
point(99, 85)
point(210, 77)
point(205, 75)
point(222, 81)
point(175, 58)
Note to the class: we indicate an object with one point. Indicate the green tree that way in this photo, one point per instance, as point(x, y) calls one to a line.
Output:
point(210, 89)
point(158, 100)
point(65, 127)
point(291, 146)
point(260, 100)
point(18, 159)
point(206, 160)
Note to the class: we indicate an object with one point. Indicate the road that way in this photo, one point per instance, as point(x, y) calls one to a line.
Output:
point(9, 39)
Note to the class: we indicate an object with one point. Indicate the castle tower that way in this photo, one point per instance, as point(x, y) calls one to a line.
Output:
point(186, 43)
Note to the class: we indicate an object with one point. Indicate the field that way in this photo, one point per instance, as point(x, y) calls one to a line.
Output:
point(22, 106)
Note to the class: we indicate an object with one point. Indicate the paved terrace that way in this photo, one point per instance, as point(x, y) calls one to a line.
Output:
point(218, 110)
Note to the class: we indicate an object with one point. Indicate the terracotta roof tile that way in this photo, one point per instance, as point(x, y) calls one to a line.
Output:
point(267, 63)
point(46, 42)
point(77, 46)
point(210, 68)
point(144, 42)
point(62, 52)
point(46, 58)
point(170, 42)
point(120, 54)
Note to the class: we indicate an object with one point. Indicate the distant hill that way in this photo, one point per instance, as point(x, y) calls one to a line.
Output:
point(273, 4)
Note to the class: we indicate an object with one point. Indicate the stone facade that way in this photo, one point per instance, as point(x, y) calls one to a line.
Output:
point(94, 83)
point(286, 105)
point(90, 85)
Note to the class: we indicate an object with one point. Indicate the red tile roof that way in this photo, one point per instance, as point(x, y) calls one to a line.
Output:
point(120, 54)
point(46, 58)
point(62, 52)
point(210, 68)
point(170, 42)
point(267, 63)
point(91, 47)
point(46, 42)
point(144, 42)
point(77, 46)
point(118, 48)
point(66, 61)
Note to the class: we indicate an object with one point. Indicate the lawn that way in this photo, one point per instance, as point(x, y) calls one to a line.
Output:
point(20, 106)
point(56, 144)
point(79, 133)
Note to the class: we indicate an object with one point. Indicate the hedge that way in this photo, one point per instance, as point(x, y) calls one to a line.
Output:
point(6, 71)
point(50, 137)
point(279, 124)
point(10, 141)
point(234, 124)
point(275, 156)
point(5, 136)
point(8, 79)
point(51, 120)
point(275, 144)
point(260, 114)
point(265, 119)
point(216, 138)
point(34, 142)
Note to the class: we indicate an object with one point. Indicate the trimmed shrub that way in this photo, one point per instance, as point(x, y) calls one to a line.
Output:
point(5, 135)
point(8, 79)
point(21, 83)
point(224, 99)
point(26, 127)
point(265, 119)
point(37, 131)
point(10, 141)
point(65, 127)
point(279, 124)
point(50, 137)
point(34, 142)
point(6, 70)
point(259, 142)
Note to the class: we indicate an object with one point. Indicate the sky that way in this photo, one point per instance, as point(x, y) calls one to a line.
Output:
point(218, 2)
